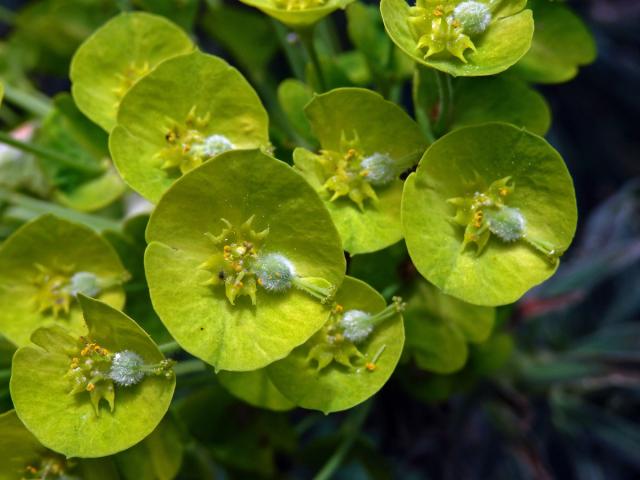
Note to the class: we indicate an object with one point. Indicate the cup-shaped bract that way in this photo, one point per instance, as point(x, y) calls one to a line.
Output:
point(255, 388)
point(366, 143)
point(43, 266)
point(116, 56)
point(185, 112)
point(298, 14)
point(218, 241)
point(330, 372)
point(488, 213)
point(104, 417)
point(461, 37)
point(23, 457)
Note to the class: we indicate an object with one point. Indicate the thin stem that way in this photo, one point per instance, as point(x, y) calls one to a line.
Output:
point(352, 430)
point(306, 38)
point(5, 374)
point(294, 56)
point(169, 347)
point(49, 154)
point(189, 366)
point(32, 102)
point(39, 207)
point(445, 94)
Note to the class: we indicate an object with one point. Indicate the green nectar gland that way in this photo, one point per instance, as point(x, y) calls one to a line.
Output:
point(232, 263)
point(50, 466)
point(338, 340)
point(129, 77)
point(485, 213)
point(447, 27)
point(353, 173)
point(298, 4)
point(59, 285)
point(188, 146)
point(95, 370)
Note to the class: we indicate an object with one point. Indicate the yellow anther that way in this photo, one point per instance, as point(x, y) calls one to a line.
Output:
point(339, 338)
point(370, 366)
point(503, 191)
point(90, 387)
point(438, 11)
point(338, 308)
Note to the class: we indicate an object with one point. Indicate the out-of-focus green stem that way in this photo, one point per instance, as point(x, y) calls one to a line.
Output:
point(169, 347)
point(294, 57)
point(306, 38)
point(32, 102)
point(445, 95)
point(40, 207)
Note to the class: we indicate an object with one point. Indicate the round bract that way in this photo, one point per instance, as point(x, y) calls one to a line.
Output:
point(183, 113)
point(298, 14)
point(68, 423)
point(255, 388)
point(338, 387)
point(238, 186)
point(116, 56)
point(502, 43)
point(37, 260)
point(377, 141)
point(462, 166)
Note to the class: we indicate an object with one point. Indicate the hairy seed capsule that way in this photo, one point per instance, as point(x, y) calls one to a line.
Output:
point(275, 272)
point(86, 283)
point(357, 326)
point(473, 16)
point(379, 168)
point(126, 368)
point(212, 146)
point(506, 223)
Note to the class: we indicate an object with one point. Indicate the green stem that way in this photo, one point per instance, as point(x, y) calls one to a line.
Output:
point(445, 94)
point(49, 154)
point(352, 430)
point(294, 56)
point(35, 103)
point(5, 374)
point(306, 38)
point(189, 366)
point(169, 347)
point(39, 207)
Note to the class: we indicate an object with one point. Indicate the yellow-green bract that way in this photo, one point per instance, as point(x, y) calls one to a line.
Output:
point(22, 456)
point(336, 386)
point(488, 213)
point(186, 111)
point(69, 423)
point(37, 264)
point(256, 389)
point(116, 56)
point(298, 14)
point(366, 143)
point(505, 40)
point(439, 326)
point(224, 316)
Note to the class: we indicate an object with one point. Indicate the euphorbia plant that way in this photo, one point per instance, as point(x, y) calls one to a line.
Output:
point(298, 227)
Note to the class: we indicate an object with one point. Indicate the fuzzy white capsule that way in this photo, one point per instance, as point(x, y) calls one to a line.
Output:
point(507, 223)
point(356, 325)
point(379, 169)
point(275, 272)
point(213, 145)
point(126, 368)
point(86, 283)
point(474, 17)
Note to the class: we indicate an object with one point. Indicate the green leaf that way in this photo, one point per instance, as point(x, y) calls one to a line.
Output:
point(304, 14)
point(447, 242)
point(159, 135)
point(68, 423)
point(293, 95)
point(505, 41)
point(20, 450)
point(157, 457)
point(68, 131)
point(354, 124)
point(338, 387)
point(237, 186)
point(55, 247)
point(255, 48)
point(561, 44)
point(256, 389)
point(116, 56)
point(182, 12)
